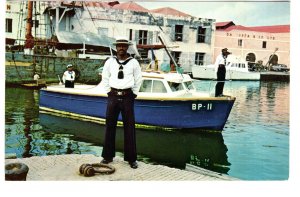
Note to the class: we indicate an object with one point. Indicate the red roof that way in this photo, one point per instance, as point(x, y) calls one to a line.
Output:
point(272, 29)
point(238, 27)
point(269, 29)
point(170, 11)
point(130, 6)
point(97, 4)
point(221, 24)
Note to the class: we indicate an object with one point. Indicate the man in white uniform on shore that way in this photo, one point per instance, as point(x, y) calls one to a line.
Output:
point(121, 78)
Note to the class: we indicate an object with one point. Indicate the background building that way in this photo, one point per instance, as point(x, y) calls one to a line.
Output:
point(83, 25)
point(254, 44)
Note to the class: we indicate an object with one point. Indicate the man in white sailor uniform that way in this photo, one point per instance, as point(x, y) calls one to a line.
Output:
point(69, 77)
point(121, 78)
point(220, 69)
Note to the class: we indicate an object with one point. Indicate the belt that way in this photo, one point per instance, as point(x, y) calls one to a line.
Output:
point(121, 92)
point(221, 66)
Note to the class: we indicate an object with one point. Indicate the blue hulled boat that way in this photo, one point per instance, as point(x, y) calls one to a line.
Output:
point(168, 100)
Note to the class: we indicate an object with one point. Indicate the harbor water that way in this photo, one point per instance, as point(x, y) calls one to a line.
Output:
point(254, 145)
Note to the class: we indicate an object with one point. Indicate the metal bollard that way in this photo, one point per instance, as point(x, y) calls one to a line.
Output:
point(16, 172)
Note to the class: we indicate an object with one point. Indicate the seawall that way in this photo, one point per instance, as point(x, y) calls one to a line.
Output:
point(20, 68)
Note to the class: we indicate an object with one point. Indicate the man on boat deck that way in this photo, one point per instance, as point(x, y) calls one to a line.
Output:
point(69, 77)
point(121, 78)
point(220, 69)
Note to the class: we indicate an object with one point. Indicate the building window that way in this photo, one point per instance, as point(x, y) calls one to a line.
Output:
point(240, 42)
point(264, 44)
point(130, 34)
point(143, 37)
point(8, 25)
point(178, 32)
point(199, 58)
point(176, 56)
point(103, 31)
point(36, 23)
point(201, 35)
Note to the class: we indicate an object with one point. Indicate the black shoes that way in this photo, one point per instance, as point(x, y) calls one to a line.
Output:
point(106, 161)
point(133, 165)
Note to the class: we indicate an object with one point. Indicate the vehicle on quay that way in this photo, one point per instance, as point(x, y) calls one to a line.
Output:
point(280, 67)
point(165, 100)
point(236, 69)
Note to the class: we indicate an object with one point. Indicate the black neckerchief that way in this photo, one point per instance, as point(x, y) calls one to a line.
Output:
point(121, 74)
point(125, 62)
point(225, 58)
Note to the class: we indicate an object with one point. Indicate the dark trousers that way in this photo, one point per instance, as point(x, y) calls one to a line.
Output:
point(115, 105)
point(221, 74)
point(69, 84)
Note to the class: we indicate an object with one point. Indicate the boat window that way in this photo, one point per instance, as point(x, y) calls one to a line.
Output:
point(158, 87)
point(175, 86)
point(189, 85)
point(232, 65)
point(243, 65)
point(146, 86)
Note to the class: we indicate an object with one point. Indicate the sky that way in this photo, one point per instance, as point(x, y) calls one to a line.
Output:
point(240, 12)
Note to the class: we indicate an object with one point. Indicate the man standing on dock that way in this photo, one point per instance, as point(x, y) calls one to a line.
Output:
point(121, 78)
point(69, 77)
point(220, 69)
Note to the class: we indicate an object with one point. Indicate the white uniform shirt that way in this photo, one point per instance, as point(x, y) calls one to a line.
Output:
point(220, 60)
point(36, 77)
point(69, 76)
point(132, 75)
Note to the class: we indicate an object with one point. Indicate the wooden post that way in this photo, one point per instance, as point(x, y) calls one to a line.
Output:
point(29, 42)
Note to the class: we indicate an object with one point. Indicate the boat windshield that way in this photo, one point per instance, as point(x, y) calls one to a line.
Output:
point(175, 86)
point(154, 86)
point(189, 85)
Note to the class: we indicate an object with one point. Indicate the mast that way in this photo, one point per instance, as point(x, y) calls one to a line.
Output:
point(29, 42)
point(268, 65)
point(170, 56)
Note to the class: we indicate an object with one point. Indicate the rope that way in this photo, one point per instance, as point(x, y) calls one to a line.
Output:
point(89, 170)
point(20, 77)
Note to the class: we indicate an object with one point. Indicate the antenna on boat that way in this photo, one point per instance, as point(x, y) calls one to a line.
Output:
point(111, 53)
point(171, 57)
point(60, 83)
point(165, 47)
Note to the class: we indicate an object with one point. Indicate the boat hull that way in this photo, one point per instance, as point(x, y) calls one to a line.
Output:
point(202, 113)
point(202, 72)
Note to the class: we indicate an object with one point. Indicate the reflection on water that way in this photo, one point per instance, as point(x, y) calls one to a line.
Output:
point(254, 144)
point(171, 148)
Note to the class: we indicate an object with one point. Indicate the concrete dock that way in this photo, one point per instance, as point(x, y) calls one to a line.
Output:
point(66, 167)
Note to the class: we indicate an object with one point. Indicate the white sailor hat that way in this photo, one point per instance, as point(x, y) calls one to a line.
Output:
point(122, 40)
point(69, 65)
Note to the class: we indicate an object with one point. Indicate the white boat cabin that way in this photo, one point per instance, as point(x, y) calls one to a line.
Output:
point(168, 85)
point(154, 85)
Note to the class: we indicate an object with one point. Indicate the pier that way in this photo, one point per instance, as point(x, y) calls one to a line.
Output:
point(275, 76)
point(66, 167)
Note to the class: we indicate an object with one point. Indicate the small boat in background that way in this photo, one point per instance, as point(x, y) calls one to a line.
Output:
point(37, 84)
point(165, 100)
point(236, 69)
